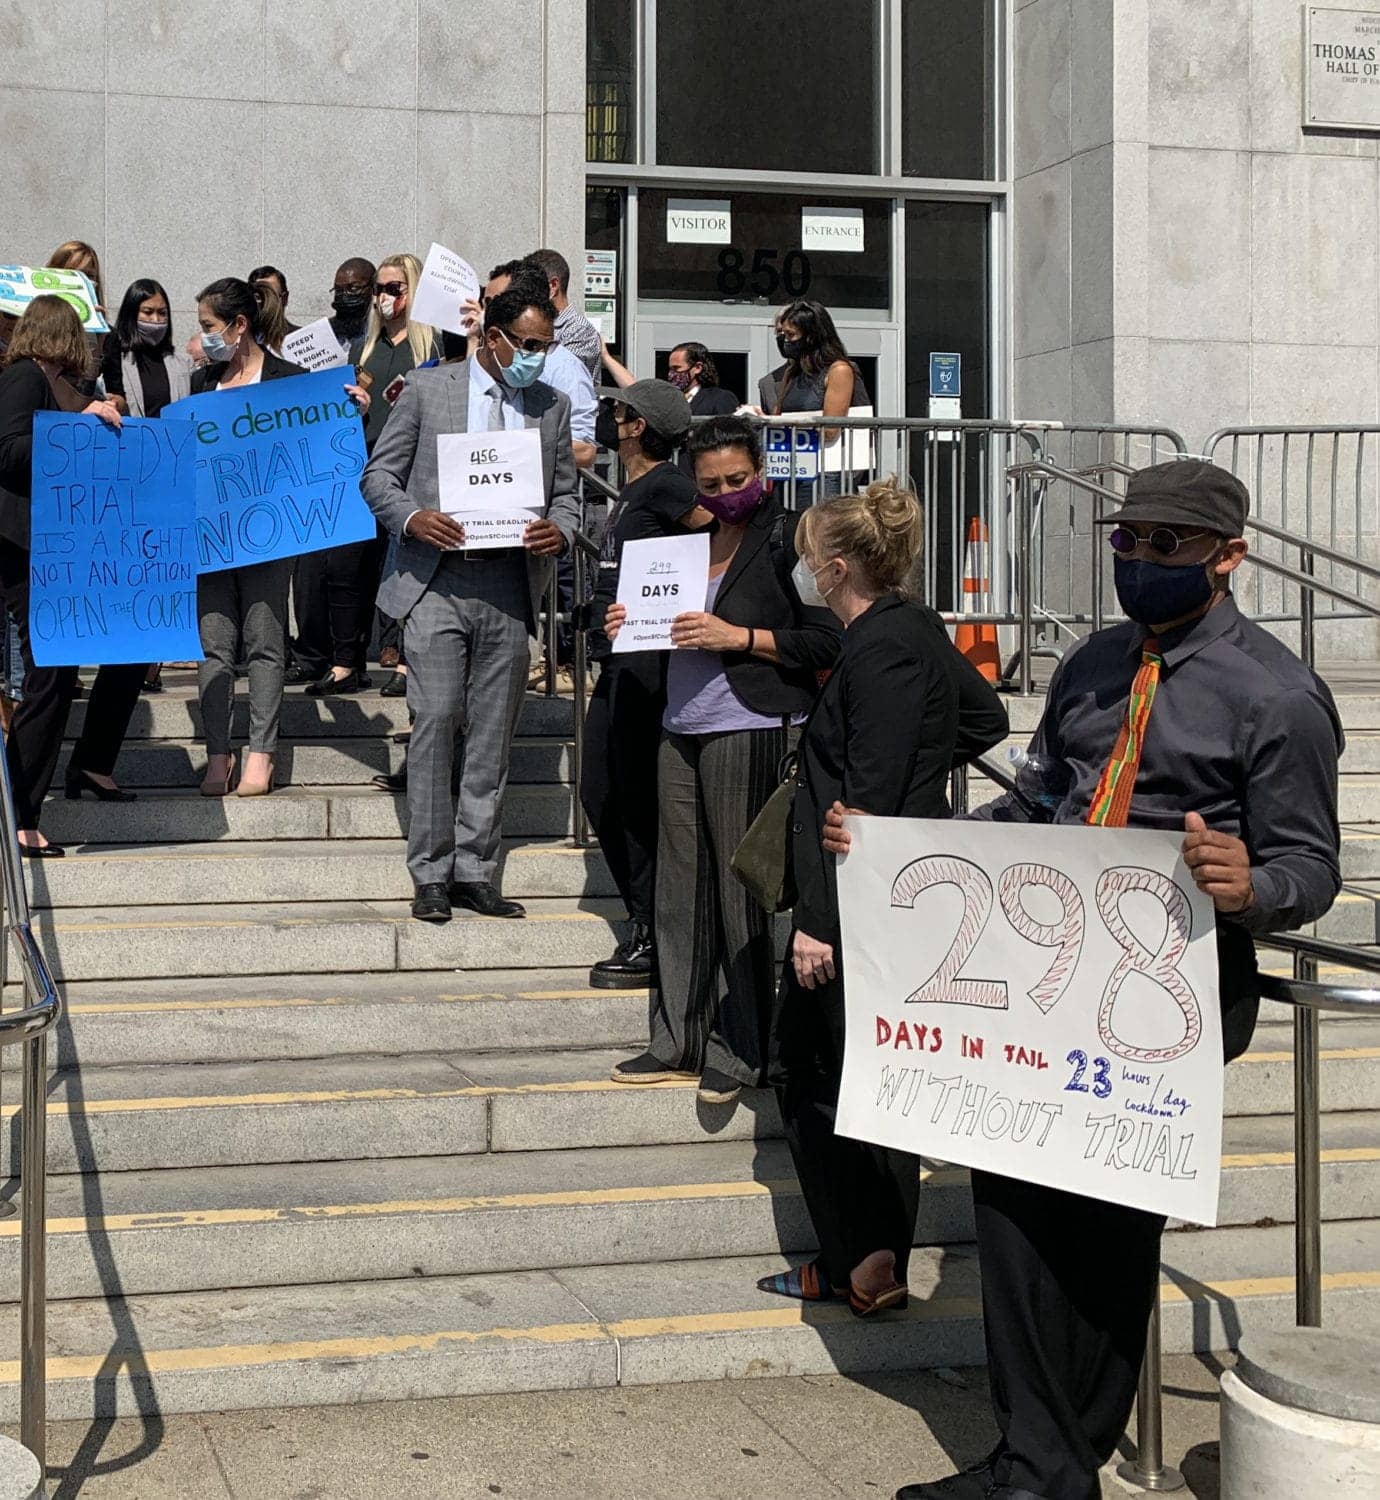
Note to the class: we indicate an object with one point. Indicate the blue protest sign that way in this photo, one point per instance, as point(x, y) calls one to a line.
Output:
point(946, 374)
point(112, 558)
point(278, 468)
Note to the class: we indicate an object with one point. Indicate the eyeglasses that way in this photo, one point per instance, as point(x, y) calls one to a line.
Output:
point(389, 288)
point(1162, 539)
point(529, 346)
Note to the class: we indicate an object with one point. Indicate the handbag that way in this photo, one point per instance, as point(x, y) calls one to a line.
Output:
point(763, 860)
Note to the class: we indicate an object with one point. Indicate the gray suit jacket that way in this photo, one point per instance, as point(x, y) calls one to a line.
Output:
point(402, 476)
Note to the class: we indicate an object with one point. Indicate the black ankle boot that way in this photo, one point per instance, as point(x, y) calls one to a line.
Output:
point(633, 965)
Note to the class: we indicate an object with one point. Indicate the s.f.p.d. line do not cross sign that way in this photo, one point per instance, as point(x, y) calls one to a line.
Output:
point(1039, 1002)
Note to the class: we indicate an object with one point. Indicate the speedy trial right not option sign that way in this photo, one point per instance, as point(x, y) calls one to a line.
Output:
point(1040, 1002)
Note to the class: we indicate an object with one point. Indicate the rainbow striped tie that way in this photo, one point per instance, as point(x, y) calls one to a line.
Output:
point(1111, 803)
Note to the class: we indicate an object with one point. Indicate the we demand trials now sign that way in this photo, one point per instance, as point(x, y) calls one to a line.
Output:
point(277, 470)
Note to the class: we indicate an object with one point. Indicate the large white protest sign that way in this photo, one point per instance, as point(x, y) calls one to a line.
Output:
point(1040, 1002)
point(314, 346)
point(492, 483)
point(19, 285)
point(658, 579)
point(446, 281)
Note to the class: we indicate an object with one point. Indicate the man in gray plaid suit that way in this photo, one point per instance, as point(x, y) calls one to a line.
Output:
point(468, 615)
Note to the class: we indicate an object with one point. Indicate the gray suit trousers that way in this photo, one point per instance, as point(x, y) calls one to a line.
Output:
point(466, 644)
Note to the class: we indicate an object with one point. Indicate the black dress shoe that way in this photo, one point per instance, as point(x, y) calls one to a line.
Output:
point(48, 851)
point(395, 781)
point(974, 1483)
point(633, 965)
point(297, 674)
point(430, 902)
point(330, 685)
point(480, 896)
point(396, 686)
point(77, 781)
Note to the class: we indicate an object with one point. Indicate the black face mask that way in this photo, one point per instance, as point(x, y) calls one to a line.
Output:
point(790, 348)
point(606, 428)
point(351, 306)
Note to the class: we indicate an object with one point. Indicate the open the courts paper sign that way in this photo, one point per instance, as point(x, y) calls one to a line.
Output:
point(1039, 1002)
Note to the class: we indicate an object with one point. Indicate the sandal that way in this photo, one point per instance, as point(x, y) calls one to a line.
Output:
point(804, 1283)
point(893, 1298)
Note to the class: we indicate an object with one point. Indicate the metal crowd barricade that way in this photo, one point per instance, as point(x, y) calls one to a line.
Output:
point(1319, 482)
point(29, 1028)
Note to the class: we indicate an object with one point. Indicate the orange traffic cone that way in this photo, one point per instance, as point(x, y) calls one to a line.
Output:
point(977, 642)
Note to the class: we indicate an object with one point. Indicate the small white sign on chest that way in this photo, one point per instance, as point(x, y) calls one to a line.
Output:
point(492, 483)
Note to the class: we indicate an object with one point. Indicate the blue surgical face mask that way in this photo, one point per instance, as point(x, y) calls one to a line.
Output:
point(1153, 594)
point(526, 367)
point(214, 347)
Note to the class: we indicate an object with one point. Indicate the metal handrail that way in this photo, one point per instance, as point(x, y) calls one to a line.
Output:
point(28, 1027)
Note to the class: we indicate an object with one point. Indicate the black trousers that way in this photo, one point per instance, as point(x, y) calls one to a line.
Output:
point(310, 647)
point(861, 1197)
point(618, 784)
point(41, 719)
point(1067, 1288)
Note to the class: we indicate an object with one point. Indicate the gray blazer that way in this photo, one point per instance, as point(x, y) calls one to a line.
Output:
point(179, 369)
point(402, 476)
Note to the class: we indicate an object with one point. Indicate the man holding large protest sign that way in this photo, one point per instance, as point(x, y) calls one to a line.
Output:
point(475, 478)
point(1187, 717)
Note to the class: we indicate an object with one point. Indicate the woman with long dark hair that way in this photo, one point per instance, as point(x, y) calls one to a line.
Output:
point(818, 376)
point(142, 363)
point(46, 354)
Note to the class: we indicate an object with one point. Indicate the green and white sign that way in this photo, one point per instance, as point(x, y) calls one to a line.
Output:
point(19, 285)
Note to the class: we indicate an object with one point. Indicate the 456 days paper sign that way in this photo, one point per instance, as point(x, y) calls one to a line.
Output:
point(1040, 1002)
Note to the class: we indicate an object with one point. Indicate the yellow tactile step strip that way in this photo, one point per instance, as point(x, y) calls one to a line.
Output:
point(60, 1107)
point(174, 1361)
point(680, 1192)
point(309, 1002)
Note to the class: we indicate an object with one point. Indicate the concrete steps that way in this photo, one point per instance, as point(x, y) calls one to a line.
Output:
point(401, 1144)
point(340, 1108)
point(629, 1324)
point(203, 1228)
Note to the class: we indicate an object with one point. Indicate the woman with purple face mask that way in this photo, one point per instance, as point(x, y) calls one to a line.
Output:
point(741, 678)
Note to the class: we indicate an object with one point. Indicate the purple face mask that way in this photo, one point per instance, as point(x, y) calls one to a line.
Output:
point(734, 506)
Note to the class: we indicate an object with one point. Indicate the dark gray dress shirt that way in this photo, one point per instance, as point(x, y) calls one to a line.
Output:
point(1241, 732)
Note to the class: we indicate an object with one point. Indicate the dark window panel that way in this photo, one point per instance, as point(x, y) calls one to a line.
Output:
point(781, 85)
point(610, 74)
point(946, 89)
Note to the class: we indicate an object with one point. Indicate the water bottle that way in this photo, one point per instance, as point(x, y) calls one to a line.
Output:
point(1042, 782)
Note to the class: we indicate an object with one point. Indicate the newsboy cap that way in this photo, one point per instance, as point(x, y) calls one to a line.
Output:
point(1184, 492)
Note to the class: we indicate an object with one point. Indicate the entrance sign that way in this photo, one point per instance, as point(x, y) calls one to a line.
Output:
point(314, 347)
point(658, 579)
point(946, 374)
point(446, 281)
point(112, 560)
point(492, 483)
point(278, 468)
point(1040, 1002)
point(1341, 69)
point(19, 285)
point(836, 229)
point(699, 221)
point(791, 452)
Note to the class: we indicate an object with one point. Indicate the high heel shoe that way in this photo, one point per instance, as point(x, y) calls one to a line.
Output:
point(78, 781)
point(257, 788)
point(221, 788)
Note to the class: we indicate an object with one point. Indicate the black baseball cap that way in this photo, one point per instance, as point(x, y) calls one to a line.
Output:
point(664, 409)
point(1184, 492)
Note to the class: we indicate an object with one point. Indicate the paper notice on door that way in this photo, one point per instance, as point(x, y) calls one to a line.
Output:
point(699, 221)
point(659, 579)
point(492, 483)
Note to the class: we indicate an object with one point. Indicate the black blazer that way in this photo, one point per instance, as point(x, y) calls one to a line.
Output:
point(208, 377)
point(756, 592)
point(24, 389)
point(713, 401)
point(900, 710)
